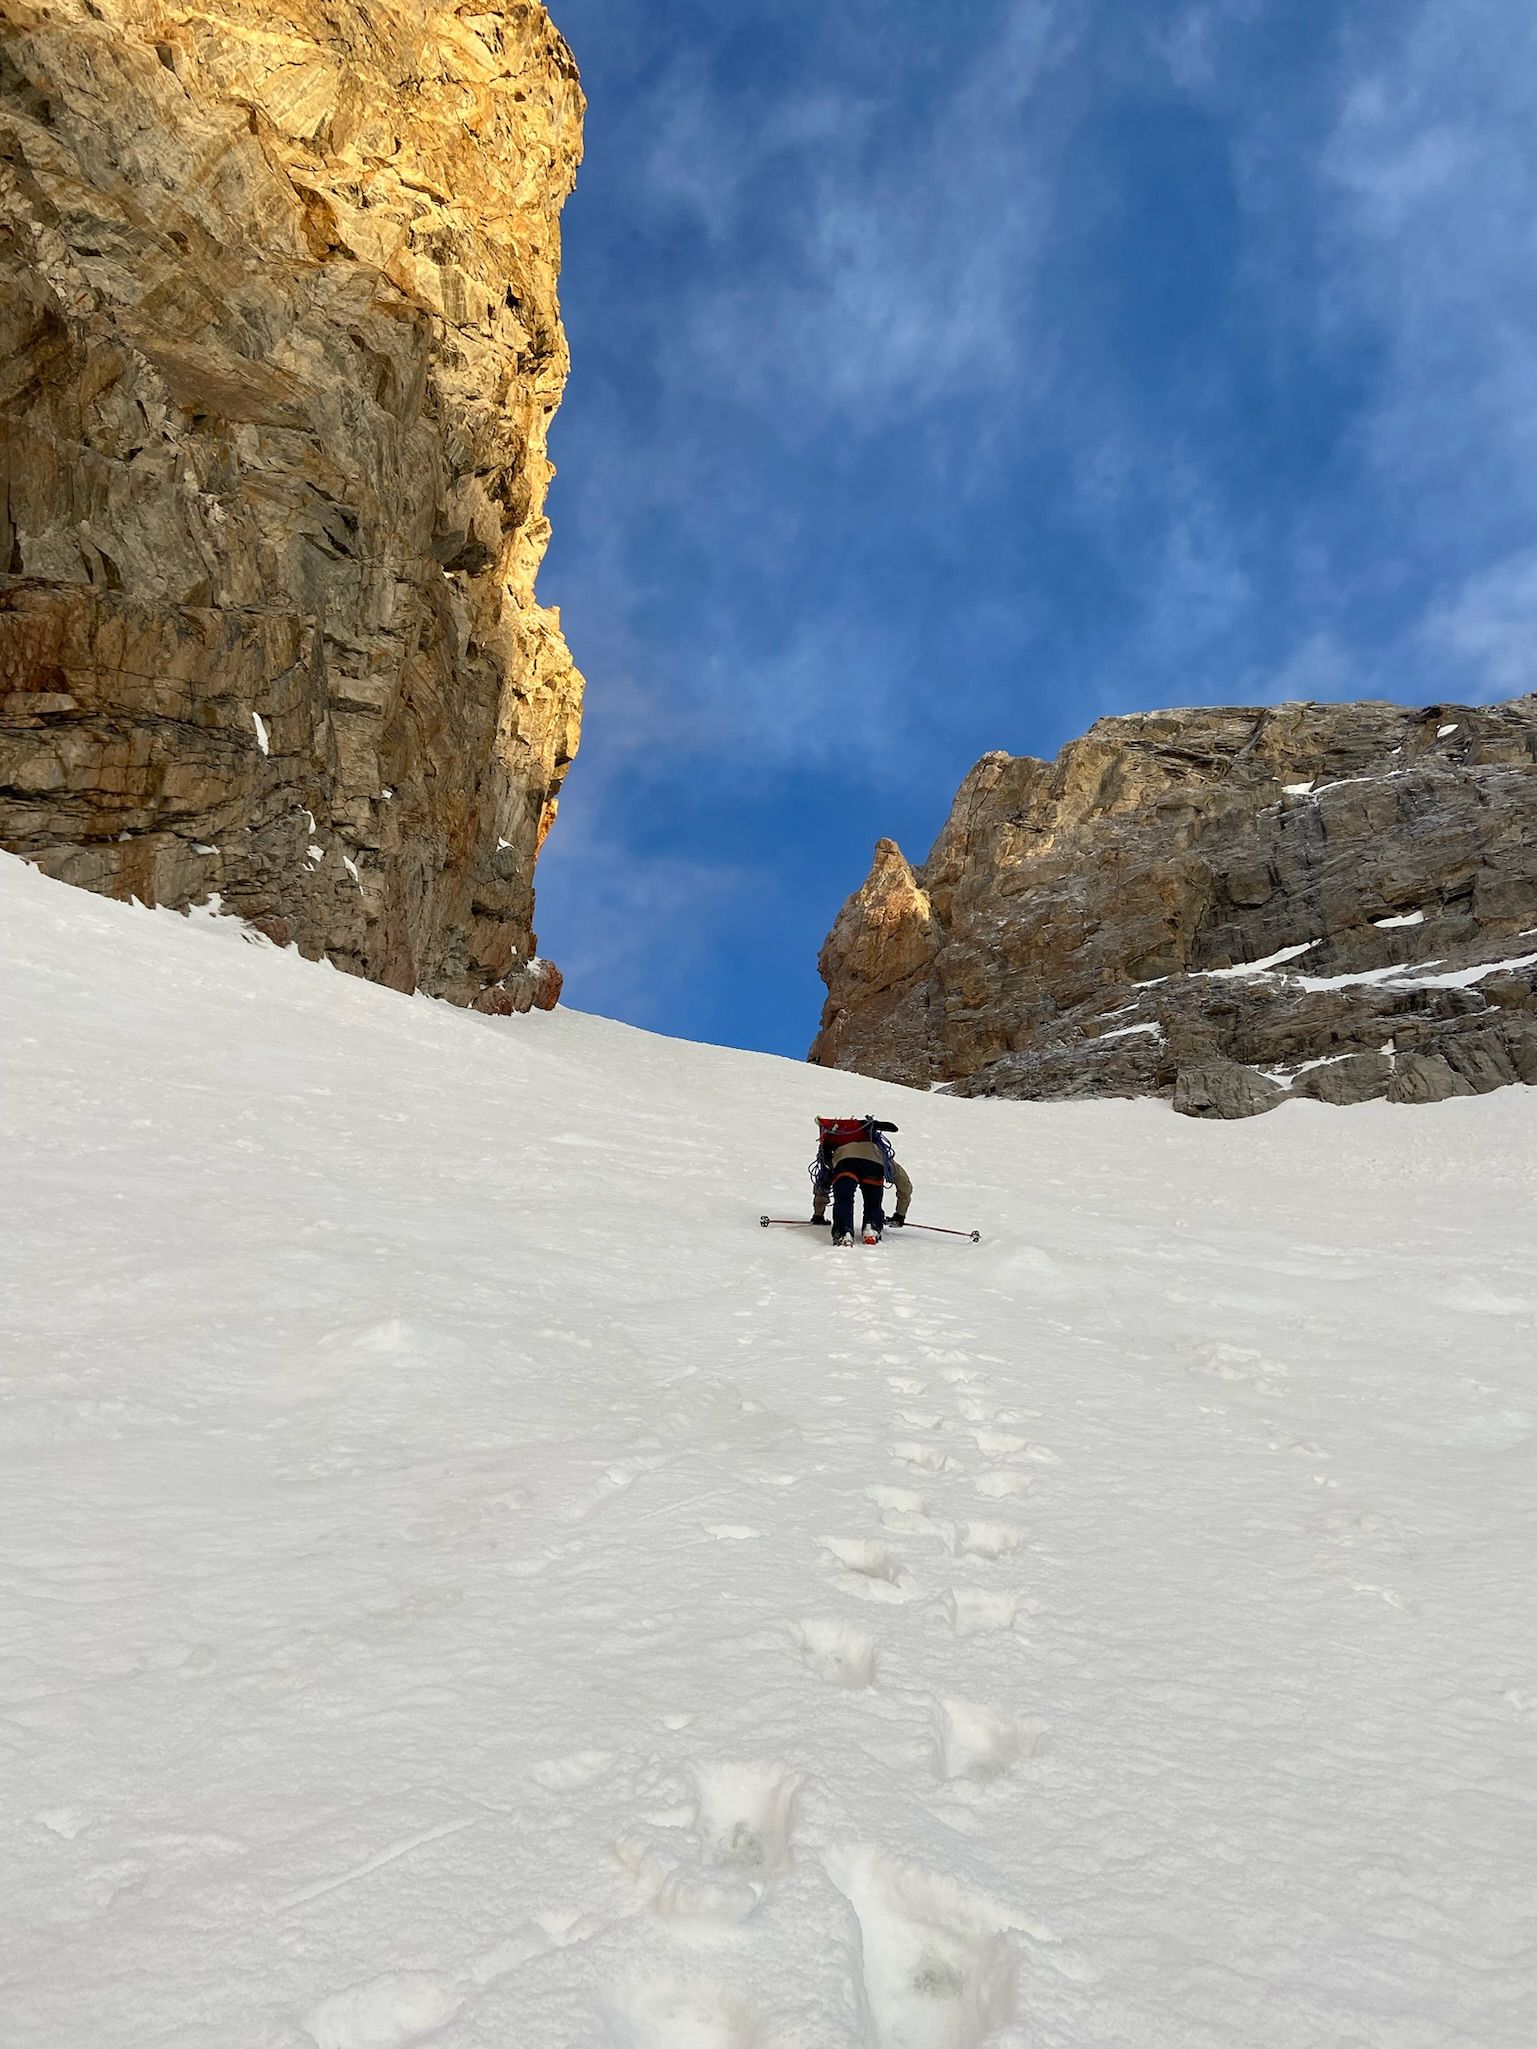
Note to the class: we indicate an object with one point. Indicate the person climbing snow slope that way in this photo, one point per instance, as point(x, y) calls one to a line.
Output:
point(855, 1153)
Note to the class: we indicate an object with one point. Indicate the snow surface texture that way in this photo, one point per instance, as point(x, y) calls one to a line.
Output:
point(466, 1584)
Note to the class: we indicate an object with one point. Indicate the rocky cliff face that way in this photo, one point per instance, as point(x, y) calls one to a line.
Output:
point(1337, 901)
point(279, 347)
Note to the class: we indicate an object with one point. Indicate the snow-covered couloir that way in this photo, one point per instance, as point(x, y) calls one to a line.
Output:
point(466, 1584)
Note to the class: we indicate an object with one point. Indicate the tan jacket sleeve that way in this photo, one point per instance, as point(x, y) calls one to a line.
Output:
point(904, 1186)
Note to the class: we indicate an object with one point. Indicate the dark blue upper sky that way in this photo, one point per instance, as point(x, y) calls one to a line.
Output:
point(946, 378)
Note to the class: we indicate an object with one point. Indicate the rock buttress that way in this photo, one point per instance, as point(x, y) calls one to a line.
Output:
point(279, 349)
point(1222, 906)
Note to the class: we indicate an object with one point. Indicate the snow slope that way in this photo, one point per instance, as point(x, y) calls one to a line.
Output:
point(465, 1583)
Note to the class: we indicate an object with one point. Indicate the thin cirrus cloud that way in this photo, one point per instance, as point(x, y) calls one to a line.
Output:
point(1417, 177)
point(908, 274)
point(945, 379)
point(1489, 628)
point(637, 926)
point(1433, 166)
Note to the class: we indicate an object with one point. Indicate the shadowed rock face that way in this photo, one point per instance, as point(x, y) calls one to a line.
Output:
point(279, 347)
point(1223, 906)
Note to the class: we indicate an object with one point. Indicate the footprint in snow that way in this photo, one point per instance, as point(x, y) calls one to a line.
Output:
point(904, 1510)
point(625, 1472)
point(837, 1652)
point(685, 1894)
point(1240, 1365)
point(927, 1458)
point(387, 2012)
point(1002, 1484)
point(974, 1611)
point(1000, 1443)
point(679, 2013)
point(1351, 1528)
point(938, 1964)
point(742, 1817)
point(987, 1540)
point(746, 1816)
point(869, 1568)
point(897, 1500)
point(980, 1743)
point(576, 1769)
point(65, 1822)
point(390, 1336)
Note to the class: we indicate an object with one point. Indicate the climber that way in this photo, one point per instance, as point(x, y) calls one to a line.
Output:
point(854, 1152)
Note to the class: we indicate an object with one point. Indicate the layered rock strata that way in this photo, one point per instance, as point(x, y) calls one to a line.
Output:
point(279, 348)
point(1228, 907)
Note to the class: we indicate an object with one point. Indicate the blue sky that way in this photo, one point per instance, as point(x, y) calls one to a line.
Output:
point(948, 377)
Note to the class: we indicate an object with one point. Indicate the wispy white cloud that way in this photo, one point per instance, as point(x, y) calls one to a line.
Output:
point(1200, 587)
point(1410, 169)
point(829, 689)
point(703, 158)
point(1475, 645)
point(822, 685)
point(1488, 628)
point(632, 921)
point(907, 277)
point(1320, 669)
point(1432, 167)
point(1191, 43)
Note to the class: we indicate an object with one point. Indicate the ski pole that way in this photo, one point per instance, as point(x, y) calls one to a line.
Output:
point(974, 1236)
point(810, 1224)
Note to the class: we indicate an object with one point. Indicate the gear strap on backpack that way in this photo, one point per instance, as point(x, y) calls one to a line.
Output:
point(835, 1132)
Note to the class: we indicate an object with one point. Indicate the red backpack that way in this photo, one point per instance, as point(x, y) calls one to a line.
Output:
point(833, 1132)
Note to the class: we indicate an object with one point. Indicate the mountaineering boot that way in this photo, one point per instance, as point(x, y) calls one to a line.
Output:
point(872, 1236)
point(843, 1237)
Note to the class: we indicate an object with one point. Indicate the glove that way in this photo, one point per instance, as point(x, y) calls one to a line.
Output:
point(817, 1217)
point(895, 1223)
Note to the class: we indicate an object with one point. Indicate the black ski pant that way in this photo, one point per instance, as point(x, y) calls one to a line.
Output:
point(868, 1176)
